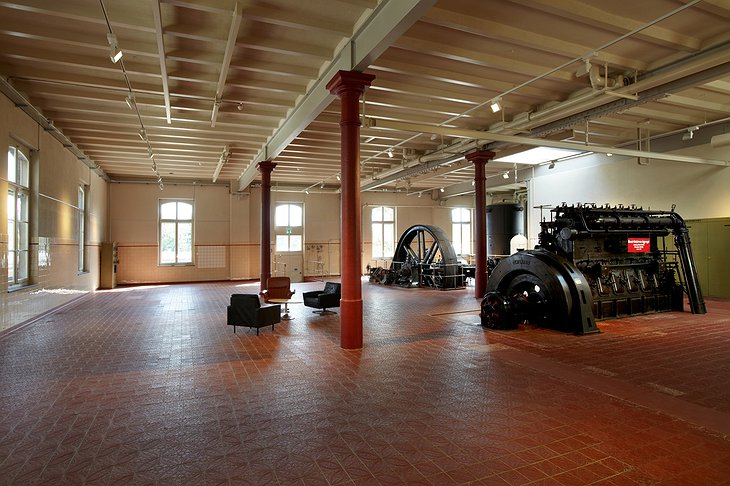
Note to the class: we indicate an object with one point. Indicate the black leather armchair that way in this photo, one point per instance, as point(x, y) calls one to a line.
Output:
point(246, 310)
point(321, 299)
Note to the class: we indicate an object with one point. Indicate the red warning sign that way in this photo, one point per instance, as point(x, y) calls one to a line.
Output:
point(639, 245)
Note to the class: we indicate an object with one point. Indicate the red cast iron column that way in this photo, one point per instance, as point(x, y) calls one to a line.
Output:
point(265, 168)
point(480, 159)
point(349, 86)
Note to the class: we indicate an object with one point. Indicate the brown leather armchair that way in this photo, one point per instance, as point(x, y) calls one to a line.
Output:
point(277, 288)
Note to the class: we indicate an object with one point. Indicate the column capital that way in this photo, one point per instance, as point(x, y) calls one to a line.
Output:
point(480, 156)
point(349, 81)
point(265, 166)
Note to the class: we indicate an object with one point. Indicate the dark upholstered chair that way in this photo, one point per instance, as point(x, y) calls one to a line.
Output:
point(277, 288)
point(246, 310)
point(321, 299)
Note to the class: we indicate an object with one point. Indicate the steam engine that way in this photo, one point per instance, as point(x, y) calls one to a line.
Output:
point(594, 263)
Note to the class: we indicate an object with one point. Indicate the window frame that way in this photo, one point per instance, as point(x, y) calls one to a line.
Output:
point(176, 221)
point(459, 246)
point(82, 227)
point(378, 233)
point(288, 232)
point(18, 248)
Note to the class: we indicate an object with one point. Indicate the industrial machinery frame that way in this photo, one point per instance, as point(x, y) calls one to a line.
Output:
point(595, 263)
point(424, 257)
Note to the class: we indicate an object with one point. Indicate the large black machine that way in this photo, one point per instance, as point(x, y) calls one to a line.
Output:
point(424, 257)
point(594, 263)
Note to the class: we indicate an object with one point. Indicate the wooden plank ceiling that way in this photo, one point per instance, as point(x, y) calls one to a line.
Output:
point(234, 71)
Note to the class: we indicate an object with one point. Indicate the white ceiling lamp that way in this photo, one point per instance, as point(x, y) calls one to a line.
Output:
point(115, 53)
point(221, 161)
point(690, 133)
point(722, 140)
point(496, 105)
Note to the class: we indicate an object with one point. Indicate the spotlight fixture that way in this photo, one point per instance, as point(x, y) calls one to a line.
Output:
point(505, 175)
point(130, 101)
point(496, 105)
point(473, 183)
point(338, 177)
point(390, 153)
point(240, 106)
point(306, 191)
point(690, 133)
point(115, 53)
point(552, 164)
point(154, 167)
point(162, 186)
point(442, 189)
point(150, 154)
point(420, 194)
point(609, 154)
point(143, 134)
point(321, 185)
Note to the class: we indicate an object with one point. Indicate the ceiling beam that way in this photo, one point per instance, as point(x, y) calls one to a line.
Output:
point(381, 28)
point(161, 52)
point(230, 46)
point(486, 137)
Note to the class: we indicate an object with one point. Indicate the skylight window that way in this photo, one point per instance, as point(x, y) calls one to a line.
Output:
point(539, 155)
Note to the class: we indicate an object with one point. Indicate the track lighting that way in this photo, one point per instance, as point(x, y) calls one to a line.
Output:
point(390, 153)
point(143, 134)
point(115, 53)
point(552, 164)
point(321, 185)
point(240, 106)
point(495, 105)
point(609, 154)
point(690, 133)
point(130, 101)
point(162, 186)
point(306, 191)
point(338, 177)
point(442, 189)
point(505, 175)
point(150, 154)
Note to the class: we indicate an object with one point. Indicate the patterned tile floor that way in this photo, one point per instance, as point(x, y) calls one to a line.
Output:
point(147, 385)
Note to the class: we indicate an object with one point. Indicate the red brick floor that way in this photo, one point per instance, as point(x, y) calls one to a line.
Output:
point(148, 385)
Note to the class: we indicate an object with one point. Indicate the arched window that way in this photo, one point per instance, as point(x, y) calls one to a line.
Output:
point(461, 230)
point(176, 232)
point(18, 216)
point(383, 229)
point(288, 227)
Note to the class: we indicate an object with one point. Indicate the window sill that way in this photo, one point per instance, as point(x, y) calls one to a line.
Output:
point(175, 264)
point(17, 288)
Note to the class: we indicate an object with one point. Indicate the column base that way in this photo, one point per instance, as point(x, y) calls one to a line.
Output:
point(351, 324)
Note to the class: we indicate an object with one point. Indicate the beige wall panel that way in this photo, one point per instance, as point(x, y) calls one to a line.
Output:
point(54, 249)
point(239, 209)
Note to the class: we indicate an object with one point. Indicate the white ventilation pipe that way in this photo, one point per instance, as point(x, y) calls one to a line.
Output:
point(603, 82)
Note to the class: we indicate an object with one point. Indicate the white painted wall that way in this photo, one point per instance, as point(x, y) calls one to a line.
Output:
point(699, 191)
